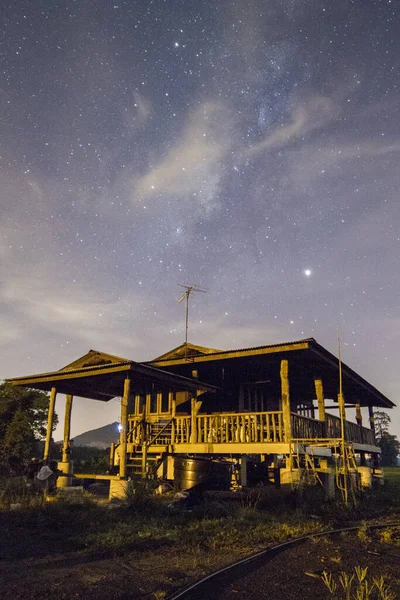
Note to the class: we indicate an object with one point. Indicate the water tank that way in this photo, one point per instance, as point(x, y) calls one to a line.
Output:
point(201, 473)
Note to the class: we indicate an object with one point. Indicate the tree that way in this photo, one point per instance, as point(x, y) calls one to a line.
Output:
point(382, 422)
point(389, 444)
point(23, 421)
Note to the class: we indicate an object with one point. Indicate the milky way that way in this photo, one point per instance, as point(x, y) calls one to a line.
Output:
point(249, 147)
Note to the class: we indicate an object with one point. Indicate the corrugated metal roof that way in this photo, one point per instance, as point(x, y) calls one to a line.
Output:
point(238, 350)
point(71, 371)
point(146, 372)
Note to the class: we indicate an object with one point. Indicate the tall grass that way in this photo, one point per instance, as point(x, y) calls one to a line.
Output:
point(357, 586)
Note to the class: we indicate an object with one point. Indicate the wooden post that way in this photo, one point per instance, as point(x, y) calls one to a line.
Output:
point(124, 428)
point(319, 390)
point(358, 415)
point(50, 418)
point(359, 421)
point(144, 454)
point(371, 418)
point(193, 436)
point(173, 414)
point(112, 457)
point(287, 425)
point(67, 428)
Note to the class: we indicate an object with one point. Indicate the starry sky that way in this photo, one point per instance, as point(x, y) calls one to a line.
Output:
point(249, 147)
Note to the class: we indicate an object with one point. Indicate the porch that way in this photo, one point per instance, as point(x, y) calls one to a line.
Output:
point(237, 432)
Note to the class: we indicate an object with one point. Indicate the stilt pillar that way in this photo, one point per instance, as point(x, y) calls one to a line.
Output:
point(287, 424)
point(65, 466)
point(319, 390)
point(124, 428)
point(50, 419)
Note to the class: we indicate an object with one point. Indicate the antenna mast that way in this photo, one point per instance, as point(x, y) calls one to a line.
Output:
point(185, 296)
point(342, 424)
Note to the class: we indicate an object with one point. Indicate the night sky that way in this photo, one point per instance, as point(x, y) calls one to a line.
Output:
point(249, 147)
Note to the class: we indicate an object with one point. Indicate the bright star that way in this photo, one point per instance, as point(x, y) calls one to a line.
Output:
point(307, 272)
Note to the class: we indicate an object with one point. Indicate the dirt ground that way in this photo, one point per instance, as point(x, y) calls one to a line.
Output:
point(38, 559)
point(138, 575)
point(97, 554)
point(296, 573)
point(37, 562)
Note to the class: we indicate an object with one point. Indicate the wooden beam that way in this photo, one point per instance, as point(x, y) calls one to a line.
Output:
point(124, 428)
point(237, 448)
point(319, 390)
point(50, 419)
point(67, 428)
point(287, 426)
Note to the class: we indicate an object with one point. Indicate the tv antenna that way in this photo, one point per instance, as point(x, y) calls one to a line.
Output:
point(185, 296)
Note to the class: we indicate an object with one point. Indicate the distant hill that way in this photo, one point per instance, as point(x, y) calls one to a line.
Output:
point(98, 438)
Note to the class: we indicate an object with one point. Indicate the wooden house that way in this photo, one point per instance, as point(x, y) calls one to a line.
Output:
point(268, 404)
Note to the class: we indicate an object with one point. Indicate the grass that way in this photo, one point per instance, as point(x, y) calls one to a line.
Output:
point(392, 482)
point(245, 529)
point(147, 523)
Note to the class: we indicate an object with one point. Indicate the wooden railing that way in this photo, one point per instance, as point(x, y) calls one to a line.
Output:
point(135, 431)
point(353, 432)
point(182, 430)
point(228, 428)
point(157, 433)
point(333, 428)
point(306, 428)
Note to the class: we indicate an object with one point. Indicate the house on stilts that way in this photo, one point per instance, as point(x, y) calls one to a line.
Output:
point(267, 409)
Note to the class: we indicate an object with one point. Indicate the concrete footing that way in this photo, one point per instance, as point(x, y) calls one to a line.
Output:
point(67, 469)
point(366, 476)
point(119, 489)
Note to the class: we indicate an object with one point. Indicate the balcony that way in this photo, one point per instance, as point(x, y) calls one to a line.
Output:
point(240, 428)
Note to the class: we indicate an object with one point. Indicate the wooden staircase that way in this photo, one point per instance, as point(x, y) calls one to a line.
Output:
point(158, 436)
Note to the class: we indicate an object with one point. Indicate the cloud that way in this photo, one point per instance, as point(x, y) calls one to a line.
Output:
point(193, 166)
point(310, 162)
point(9, 332)
point(305, 118)
point(35, 305)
